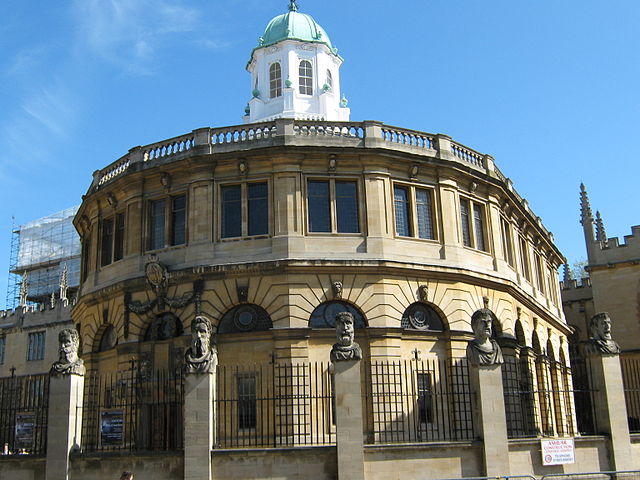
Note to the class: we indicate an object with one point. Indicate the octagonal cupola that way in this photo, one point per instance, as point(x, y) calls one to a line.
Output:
point(295, 72)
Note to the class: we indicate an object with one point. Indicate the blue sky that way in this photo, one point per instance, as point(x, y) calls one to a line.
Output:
point(549, 88)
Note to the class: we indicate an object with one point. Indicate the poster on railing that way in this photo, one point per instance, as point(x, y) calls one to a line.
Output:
point(25, 428)
point(558, 452)
point(112, 428)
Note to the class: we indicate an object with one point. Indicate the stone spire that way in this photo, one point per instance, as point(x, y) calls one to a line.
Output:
point(601, 235)
point(585, 208)
point(568, 275)
point(24, 289)
point(64, 285)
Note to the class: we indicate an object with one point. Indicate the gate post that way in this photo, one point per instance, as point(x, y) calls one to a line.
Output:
point(346, 356)
point(201, 362)
point(66, 393)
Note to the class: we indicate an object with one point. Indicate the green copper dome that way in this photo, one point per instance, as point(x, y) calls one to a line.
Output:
point(294, 26)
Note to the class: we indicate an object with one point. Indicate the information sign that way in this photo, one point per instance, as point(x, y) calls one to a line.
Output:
point(559, 451)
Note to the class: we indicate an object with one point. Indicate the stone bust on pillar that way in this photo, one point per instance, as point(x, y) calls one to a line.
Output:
point(345, 348)
point(483, 350)
point(201, 356)
point(601, 340)
point(68, 361)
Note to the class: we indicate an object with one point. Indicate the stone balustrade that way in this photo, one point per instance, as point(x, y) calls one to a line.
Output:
point(367, 134)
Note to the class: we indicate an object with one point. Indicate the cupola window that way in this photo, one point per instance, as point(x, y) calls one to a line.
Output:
point(305, 74)
point(275, 80)
point(329, 82)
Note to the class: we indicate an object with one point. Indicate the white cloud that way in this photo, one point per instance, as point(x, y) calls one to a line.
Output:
point(128, 33)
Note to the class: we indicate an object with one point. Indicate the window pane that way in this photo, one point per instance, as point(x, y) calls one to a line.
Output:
point(86, 251)
point(506, 241)
point(178, 220)
point(305, 74)
point(106, 242)
point(231, 211)
point(423, 212)
point(401, 205)
point(247, 401)
point(118, 247)
point(3, 343)
point(347, 207)
point(425, 407)
point(464, 222)
point(329, 80)
point(258, 208)
point(156, 235)
point(319, 207)
point(275, 81)
point(524, 259)
point(478, 225)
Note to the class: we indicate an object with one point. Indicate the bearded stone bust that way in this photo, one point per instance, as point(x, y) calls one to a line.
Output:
point(345, 348)
point(68, 361)
point(483, 350)
point(601, 340)
point(201, 356)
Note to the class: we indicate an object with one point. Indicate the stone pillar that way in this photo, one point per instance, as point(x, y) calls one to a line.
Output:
point(489, 417)
point(349, 422)
point(610, 408)
point(64, 428)
point(198, 425)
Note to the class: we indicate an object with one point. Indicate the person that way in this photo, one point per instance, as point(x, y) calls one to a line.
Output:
point(200, 357)
point(126, 476)
point(483, 350)
point(345, 348)
point(601, 340)
point(68, 361)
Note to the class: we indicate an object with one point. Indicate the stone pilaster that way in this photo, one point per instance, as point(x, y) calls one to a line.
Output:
point(198, 425)
point(610, 407)
point(489, 417)
point(64, 428)
point(349, 423)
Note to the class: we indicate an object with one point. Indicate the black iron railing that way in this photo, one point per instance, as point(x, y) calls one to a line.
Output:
point(277, 405)
point(631, 379)
point(417, 401)
point(24, 407)
point(133, 410)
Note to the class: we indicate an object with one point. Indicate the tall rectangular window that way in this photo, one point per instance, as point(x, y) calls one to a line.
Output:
point(156, 233)
point(118, 242)
point(424, 214)
point(347, 207)
point(3, 346)
point(478, 226)
point(472, 224)
point(333, 206)
point(258, 208)
point(539, 277)
point(401, 208)
point(247, 414)
point(244, 210)
point(86, 252)
point(464, 223)
point(106, 242)
point(178, 220)
point(275, 80)
point(35, 347)
point(319, 206)
point(524, 259)
point(425, 405)
point(413, 212)
point(506, 241)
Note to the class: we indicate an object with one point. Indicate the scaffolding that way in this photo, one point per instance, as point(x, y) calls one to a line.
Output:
point(42, 249)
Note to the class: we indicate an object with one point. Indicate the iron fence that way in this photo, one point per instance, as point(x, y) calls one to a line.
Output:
point(584, 396)
point(631, 380)
point(24, 407)
point(277, 405)
point(617, 475)
point(417, 401)
point(133, 410)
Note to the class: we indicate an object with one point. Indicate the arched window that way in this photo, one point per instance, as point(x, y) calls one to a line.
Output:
point(164, 326)
point(275, 80)
point(420, 316)
point(305, 74)
point(324, 316)
point(329, 82)
point(245, 318)
point(105, 339)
